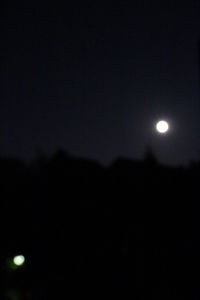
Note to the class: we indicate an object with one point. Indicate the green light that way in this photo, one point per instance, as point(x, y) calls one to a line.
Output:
point(19, 260)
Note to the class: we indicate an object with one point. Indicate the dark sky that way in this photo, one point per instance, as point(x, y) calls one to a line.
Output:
point(93, 77)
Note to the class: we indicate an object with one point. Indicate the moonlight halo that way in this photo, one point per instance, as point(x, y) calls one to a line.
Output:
point(162, 127)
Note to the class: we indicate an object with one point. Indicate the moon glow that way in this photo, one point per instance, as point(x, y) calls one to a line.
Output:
point(162, 127)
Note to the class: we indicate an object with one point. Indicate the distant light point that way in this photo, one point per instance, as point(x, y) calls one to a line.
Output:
point(19, 260)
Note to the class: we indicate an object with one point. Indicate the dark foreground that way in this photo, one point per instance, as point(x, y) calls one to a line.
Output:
point(130, 231)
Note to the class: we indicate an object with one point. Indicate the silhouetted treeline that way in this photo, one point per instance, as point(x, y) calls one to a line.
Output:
point(129, 230)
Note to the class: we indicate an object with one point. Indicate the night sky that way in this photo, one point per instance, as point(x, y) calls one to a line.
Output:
point(93, 77)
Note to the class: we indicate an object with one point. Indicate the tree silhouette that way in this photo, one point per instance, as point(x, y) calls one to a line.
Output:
point(150, 156)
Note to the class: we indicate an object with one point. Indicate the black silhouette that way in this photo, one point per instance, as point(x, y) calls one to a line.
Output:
point(129, 230)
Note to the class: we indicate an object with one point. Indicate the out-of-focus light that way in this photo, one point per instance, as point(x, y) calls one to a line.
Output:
point(19, 260)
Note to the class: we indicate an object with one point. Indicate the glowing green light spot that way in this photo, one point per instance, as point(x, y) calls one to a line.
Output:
point(19, 260)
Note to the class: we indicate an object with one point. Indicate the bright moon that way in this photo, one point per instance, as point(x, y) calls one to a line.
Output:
point(162, 126)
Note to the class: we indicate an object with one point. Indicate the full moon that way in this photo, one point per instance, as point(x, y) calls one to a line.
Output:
point(162, 127)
